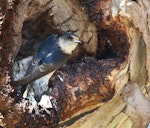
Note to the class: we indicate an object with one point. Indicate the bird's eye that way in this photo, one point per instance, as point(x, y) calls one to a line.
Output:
point(70, 37)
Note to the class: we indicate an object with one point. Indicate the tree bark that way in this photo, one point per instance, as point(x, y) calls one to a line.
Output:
point(96, 91)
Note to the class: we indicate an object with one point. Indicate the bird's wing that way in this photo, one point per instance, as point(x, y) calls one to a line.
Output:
point(38, 72)
point(32, 66)
point(46, 48)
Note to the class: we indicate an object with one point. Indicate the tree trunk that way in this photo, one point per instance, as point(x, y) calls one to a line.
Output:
point(105, 83)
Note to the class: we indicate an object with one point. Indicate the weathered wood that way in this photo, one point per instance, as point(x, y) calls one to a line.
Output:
point(115, 33)
point(103, 116)
point(139, 13)
point(137, 105)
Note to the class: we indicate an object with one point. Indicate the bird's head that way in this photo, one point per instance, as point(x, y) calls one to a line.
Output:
point(68, 42)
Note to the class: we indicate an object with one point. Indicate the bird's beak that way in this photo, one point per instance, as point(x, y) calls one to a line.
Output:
point(76, 40)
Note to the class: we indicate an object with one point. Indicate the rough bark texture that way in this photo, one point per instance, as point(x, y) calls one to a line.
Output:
point(115, 38)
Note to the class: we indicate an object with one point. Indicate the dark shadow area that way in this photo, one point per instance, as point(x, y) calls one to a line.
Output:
point(112, 44)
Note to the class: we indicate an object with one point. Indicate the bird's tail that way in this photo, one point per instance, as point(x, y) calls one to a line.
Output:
point(21, 82)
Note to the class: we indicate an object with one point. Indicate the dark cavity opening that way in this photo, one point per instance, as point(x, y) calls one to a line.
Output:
point(112, 44)
point(34, 31)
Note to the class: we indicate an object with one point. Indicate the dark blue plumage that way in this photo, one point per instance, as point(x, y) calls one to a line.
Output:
point(49, 51)
point(47, 46)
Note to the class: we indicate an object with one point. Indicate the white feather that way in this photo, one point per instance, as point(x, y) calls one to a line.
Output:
point(45, 101)
point(38, 86)
point(48, 55)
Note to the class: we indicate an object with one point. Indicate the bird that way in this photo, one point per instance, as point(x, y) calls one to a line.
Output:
point(53, 53)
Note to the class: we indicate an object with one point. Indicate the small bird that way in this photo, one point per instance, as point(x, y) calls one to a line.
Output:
point(51, 55)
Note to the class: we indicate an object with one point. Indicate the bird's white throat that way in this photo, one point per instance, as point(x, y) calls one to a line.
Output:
point(67, 47)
